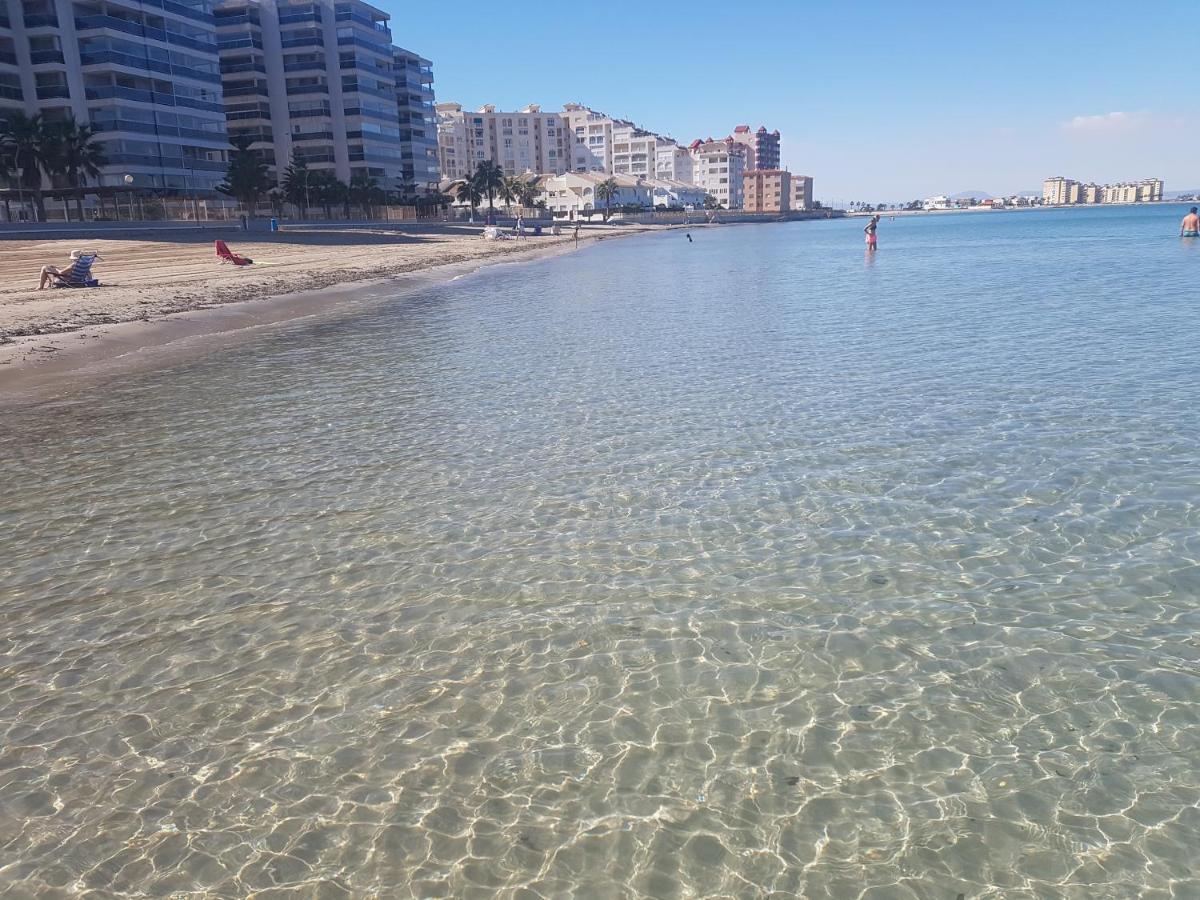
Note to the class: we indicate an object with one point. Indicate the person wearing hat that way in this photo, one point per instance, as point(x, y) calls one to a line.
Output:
point(51, 272)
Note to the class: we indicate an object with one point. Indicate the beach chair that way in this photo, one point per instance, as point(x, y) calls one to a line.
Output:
point(225, 255)
point(79, 275)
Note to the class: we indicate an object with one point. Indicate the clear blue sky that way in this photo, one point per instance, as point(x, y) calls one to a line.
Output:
point(878, 101)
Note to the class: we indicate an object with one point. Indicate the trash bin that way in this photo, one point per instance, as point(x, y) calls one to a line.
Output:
point(274, 224)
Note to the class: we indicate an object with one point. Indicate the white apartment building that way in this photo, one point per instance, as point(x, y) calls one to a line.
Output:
point(673, 163)
point(1150, 190)
point(1126, 192)
point(675, 194)
point(718, 167)
point(573, 194)
point(592, 138)
point(528, 140)
point(634, 150)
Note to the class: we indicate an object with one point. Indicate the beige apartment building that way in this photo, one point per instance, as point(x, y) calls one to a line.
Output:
point(1057, 191)
point(1150, 190)
point(766, 191)
point(1091, 193)
point(802, 193)
point(528, 140)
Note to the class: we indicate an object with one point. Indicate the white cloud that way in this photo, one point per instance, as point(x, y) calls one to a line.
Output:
point(1108, 123)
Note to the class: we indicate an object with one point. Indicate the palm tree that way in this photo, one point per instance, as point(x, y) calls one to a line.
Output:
point(529, 193)
point(76, 154)
point(510, 191)
point(468, 190)
point(362, 190)
point(489, 178)
point(25, 139)
point(246, 179)
point(606, 191)
point(295, 184)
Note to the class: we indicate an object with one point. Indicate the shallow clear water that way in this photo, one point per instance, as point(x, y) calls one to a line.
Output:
point(743, 568)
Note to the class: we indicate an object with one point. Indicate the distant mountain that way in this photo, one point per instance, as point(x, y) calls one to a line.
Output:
point(967, 195)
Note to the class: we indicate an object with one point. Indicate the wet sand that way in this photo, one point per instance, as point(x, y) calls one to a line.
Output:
point(158, 298)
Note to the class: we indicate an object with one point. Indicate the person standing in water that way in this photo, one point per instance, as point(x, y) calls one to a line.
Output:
point(1190, 226)
point(870, 230)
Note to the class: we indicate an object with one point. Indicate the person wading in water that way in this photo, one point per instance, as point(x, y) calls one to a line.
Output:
point(870, 231)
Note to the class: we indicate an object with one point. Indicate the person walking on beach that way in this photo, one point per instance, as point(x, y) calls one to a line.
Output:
point(576, 234)
point(520, 228)
point(870, 230)
point(1190, 226)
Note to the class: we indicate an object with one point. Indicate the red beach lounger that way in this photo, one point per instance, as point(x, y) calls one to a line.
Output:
point(224, 254)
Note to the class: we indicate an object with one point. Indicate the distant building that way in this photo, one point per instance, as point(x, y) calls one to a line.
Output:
point(1091, 193)
point(938, 203)
point(573, 194)
point(718, 167)
point(667, 193)
point(1057, 191)
point(528, 140)
point(802, 193)
point(762, 147)
point(766, 191)
point(591, 134)
point(673, 163)
point(1150, 190)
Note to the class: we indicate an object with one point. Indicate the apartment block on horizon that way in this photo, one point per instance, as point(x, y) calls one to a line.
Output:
point(1059, 191)
point(673, 163)
point(802, 193)
point(315, 80)
point(145, 75)
point(766, 191)
point(718, 167)
point(418, 120)
point(762, 147)
point(528, 140)
point(591, 135)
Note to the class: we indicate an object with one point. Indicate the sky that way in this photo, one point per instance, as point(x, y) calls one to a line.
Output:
point(878, 102)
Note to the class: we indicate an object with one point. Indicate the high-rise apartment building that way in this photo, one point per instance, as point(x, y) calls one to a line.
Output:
point(143, 73)
point(1091, 193)
point(1150, 190)
point(718, 167)
point(766, 191)
point(591, 134)
point(528, 140)
point(762, 147)
point(418, 120)
point(316, 80)
point(1057, 191)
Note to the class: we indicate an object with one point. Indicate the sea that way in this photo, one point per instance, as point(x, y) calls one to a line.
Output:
point(757, 566)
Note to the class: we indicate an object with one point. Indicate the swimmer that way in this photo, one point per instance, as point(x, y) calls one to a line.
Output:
point(870, 231)
point(1190, 226)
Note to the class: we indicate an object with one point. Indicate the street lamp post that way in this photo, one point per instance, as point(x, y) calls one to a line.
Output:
point(129, 181)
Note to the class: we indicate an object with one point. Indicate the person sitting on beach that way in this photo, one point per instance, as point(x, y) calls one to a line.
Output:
point(51, 272)
point(1190, 226)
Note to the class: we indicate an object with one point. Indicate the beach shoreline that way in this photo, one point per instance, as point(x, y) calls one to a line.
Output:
point(55, 342)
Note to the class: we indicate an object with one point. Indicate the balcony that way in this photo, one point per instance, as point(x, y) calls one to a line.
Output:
point(382, 49)
point(8, 59)
point(166, 162)
point(113, 57)
point(240, 19)
point(252, 89)
point(9, 92)
point(355, 88)
point(304, 18)
point(42, 57)
point(53, 92)
point(311, 112)
point(116, 92)
point(303, 40)
point(125, 26)
point(294, 90)
point(239, 43)
point(309, 66)
point(235, 68)
point(312, 136)
point(41, 20)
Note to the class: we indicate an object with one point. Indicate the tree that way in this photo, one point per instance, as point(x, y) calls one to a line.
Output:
point(468, 191)
point(246, 179)
point(489, 178)
point(75, 153)
point(295, 184)
point(510, 191)
point(711, 202)
point(607, 191)
point(362, 191)
point(25, 139)
point(528, 192)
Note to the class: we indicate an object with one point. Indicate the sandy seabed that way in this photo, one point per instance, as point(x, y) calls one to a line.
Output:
point(157, 290)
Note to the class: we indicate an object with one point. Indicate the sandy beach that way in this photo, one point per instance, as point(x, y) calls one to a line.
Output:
point(157, 289)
